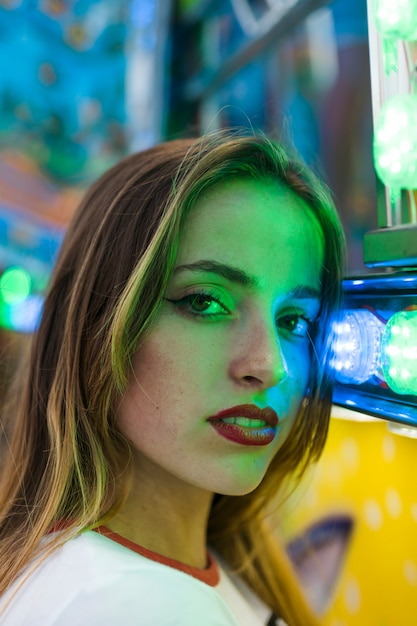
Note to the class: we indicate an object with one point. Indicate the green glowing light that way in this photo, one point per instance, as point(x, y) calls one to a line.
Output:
point(15, 285)
point(399, 352)
point(395, 142)
point(396, 18)
point(5, 321)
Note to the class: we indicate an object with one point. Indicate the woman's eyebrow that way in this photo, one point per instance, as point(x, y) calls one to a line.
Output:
point(233, 274)
point(236, 275)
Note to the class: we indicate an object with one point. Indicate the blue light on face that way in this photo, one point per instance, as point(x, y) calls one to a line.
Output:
point(357, 347)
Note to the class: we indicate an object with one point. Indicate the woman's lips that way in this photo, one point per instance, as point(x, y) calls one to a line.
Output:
point(246, 424)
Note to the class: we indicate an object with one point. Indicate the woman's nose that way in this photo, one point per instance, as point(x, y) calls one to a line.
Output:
point(259, 358)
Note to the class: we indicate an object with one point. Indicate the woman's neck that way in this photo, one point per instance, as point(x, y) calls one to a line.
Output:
point(167, 516)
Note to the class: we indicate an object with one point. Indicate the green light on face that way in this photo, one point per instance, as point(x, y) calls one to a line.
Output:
point(15, 285)
point(399, 352)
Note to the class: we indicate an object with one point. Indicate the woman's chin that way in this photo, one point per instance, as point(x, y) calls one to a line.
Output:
point(239, 487)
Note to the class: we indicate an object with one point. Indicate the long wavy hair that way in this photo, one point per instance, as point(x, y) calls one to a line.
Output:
point(67, 460)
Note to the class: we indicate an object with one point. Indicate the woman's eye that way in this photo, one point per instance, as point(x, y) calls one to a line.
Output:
point(295, 323)
point(201, 305)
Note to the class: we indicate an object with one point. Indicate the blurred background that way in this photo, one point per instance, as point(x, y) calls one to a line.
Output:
point(85, 82)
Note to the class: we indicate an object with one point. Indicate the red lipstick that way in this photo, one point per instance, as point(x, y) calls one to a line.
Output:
point(246, 424)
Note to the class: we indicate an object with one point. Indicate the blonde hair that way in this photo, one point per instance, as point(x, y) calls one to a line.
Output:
point(66, 455)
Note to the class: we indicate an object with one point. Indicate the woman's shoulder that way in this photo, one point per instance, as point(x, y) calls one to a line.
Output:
point(93, 580)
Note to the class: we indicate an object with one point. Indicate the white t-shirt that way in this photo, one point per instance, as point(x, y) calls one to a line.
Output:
point(98, 580)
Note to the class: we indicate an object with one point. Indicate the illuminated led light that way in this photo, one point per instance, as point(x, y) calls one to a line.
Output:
point(25, 316)
point(393, 350)
point(15, 285)
point(395, 142)
point(22, 316)
point(399, 352)
point(396, 19)
point(357, 346)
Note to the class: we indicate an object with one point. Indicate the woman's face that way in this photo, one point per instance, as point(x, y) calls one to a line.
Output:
point(232, 338)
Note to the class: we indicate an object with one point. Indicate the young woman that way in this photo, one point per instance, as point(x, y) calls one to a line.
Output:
point(179, 376)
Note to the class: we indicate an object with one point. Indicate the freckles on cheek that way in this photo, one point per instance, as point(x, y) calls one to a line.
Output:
point(156, 380)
